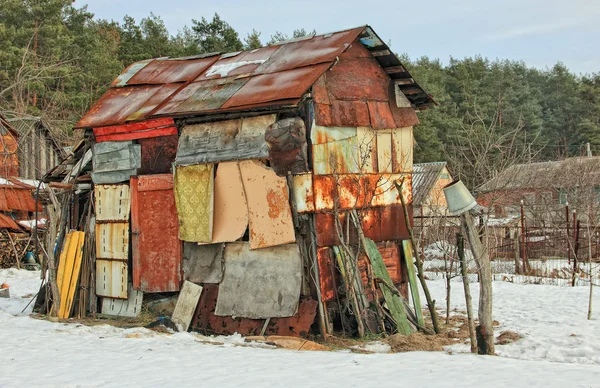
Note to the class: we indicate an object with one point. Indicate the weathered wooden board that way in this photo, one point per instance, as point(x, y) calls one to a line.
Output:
point(129, 307)
point(384, 152)
point(112, 241)
point(268, 206)
point(112, 202)
point(402, 144)
point(111, 278)
point(262, 283)
point(194, 196)
point(224, 140)
point(68, 271)
point(412, 279)
point(392, 299)
point(203, 263)
point(230, 213)
point(186, 305)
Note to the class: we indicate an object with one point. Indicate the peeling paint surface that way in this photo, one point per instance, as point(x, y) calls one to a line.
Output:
point(230, 215)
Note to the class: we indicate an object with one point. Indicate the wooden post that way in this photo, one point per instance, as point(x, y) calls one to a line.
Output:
point(524, 241)
point(577, 230)
point(486, 327)
point(517, 253)
point(315, 265)
point(568, 239)
point(460, 243)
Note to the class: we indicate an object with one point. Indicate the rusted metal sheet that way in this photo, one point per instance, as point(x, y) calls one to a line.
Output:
point(6, 222)
point(202, 96)
point(14, 198)
point(207, 322)
point(343, 114)
point(320, 49)
point(336, 157)
point(119, 105)
point(156, 248)
point(302, 191)
point(357, 78)
point(129, 72)
point(355, 191)
point(379, 224)
point(320, 135)
point(133, 131)
point(203, 263)
point(244, 63)
point(381, 115)
point(158, 154)
point(404, 117)
point(367, 150)
point(168, 71)
point(230, 213)
point(111, 278)
point(112, 241)
point(224, 140)
point(261, 283)
point(268, 206)
point(115, 162)
point(112, 202)
point(286, 139)
point(402, 149)
point(284, 85)
point(326, 273)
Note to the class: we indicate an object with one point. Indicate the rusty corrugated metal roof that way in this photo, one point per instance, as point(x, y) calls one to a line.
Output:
point(17, 198)
point(424, 177)
point(6, 222)
point(277, 75)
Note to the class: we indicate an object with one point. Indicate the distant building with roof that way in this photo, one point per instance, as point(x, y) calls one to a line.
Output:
point(428, 181)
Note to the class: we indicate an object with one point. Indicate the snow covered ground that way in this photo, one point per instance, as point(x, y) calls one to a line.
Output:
point(37, 353)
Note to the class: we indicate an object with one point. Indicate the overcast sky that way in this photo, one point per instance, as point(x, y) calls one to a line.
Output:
point(539, 32)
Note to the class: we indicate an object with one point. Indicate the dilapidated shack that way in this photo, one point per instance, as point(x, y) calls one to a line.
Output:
point(266, 176)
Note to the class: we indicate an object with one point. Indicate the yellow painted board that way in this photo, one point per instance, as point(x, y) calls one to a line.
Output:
point(63, 258)
point(65, 309)
point(68, 259)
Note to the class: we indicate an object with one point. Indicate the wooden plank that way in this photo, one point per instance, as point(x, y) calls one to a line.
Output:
point(269, 209)
point(380, 53)
point(186, 305)
point(384, 152)
point(395, 69)
point(230, 212)
point(65, 309)
point(404, 81)
point(402, 150)
point(390, 293)
point(408, 260)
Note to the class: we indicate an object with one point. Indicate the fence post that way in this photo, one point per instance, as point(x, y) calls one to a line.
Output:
point(524, 240)
point(568, 233)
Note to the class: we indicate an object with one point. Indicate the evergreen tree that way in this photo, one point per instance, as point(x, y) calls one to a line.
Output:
point(216, 35)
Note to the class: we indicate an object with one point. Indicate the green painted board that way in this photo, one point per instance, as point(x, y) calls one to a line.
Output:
point(392, 300)
point(412, 279)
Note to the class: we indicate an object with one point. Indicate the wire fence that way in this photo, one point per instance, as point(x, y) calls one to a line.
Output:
point(552, 256)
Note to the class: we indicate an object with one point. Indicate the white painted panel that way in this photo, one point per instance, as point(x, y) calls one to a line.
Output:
point(112, 241)
point(186, 305)
point(129, 307)
point(111, 278)
point(112, 202)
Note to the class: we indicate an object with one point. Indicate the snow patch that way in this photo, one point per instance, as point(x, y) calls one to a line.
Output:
point(224, 69)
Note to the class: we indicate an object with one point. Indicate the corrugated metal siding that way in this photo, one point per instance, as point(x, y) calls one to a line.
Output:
point(112, 202)
point(115, 161)
point(133, 131)
point(425, 175)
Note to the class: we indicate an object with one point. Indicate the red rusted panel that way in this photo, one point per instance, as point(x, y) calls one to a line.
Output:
point(145, 129)
point(171, 71)
point(119, 105)
point(390, 253)
point(342, 114)
point(319, 91)
point(158, 154)
point(379, 224)
point(17, 198)
point(206, 321)
point(358, 79)
point(154, 227)
point(404, 117)
point(241, 64)
point(326, 273)
point(8, 223)
point(355, 51)
point(319, 49)
point(381, 115)
point(280, 86)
